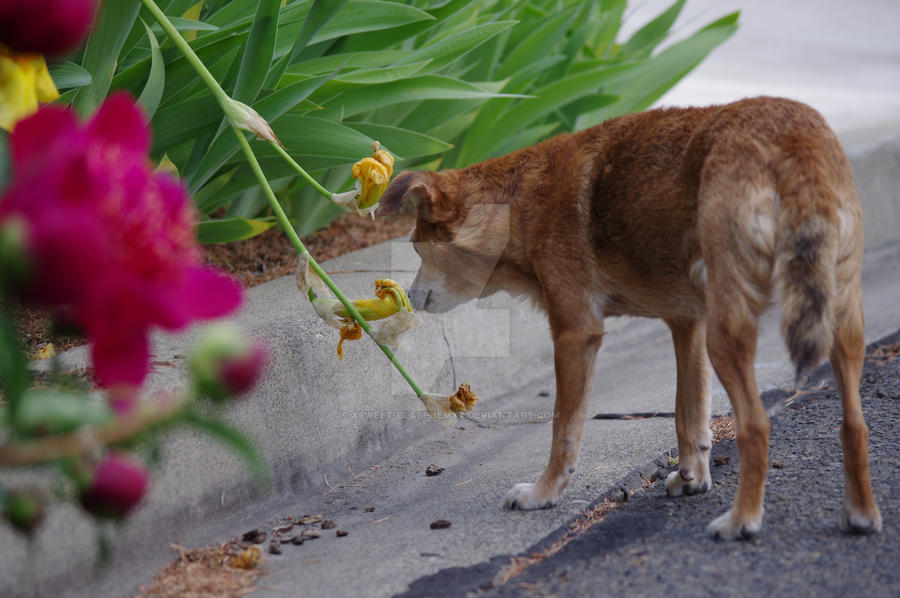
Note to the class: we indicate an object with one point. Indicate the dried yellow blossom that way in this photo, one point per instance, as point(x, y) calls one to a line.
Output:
point(373, 175)
point(445, 409)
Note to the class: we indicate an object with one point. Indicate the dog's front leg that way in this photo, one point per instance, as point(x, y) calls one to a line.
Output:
point(574, 355)
point(691, 409)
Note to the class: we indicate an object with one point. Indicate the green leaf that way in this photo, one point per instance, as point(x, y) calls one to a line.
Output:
point(182, 24)
point(68, 74)
point(226, 230)
point(156, 81)
point(320, 14)
point(641, 44)
point(355, 60)
point(101, 53)
point(359, 16)
point(235, 440)
point(403, 143)
point(424, 87)
point(258, 51)
point(484, 142)
point(458, 45)
point(656, 75)
point(379, 40)
point(48, 411)
point(382, 75)
point(537, 45)
point(174, 125)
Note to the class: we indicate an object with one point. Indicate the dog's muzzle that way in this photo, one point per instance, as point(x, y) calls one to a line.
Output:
point(418, 298)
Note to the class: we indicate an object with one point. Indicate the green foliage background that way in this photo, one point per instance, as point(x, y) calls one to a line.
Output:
point(440, 83)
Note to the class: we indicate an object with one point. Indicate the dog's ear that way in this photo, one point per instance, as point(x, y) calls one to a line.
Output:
point(404, 191)
point(421, 192)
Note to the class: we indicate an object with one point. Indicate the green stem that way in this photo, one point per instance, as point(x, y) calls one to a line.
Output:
point(287, 157)
point(221, 97)
point(304, 252)
point(224, 100)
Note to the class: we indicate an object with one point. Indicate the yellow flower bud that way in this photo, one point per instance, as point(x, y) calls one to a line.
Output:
point(24, 81)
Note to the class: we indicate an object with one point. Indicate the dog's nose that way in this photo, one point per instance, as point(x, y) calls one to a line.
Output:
point(418, 297)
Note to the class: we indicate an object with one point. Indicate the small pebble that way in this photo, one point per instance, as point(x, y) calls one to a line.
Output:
point(340, 533)
point(440, 524)
point(275, 547)
point(328, 524)
point(369, 509)
point(254, 536)
point(433, 470)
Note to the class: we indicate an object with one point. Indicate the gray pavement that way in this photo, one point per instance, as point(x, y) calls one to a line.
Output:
point(652, 545)
point(313, 416)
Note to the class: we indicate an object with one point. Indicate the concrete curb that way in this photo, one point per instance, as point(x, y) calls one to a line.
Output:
point(312, 415)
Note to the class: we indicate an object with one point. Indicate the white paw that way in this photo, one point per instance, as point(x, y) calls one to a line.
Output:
point(678, 483)
point(729, 526)
point(855, 522)
point(526, 497)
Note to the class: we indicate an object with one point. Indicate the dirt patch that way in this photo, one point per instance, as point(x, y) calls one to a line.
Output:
point(271, 254)
point(222, 571)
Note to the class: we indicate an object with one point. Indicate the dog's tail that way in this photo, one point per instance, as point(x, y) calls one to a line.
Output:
point(808, 237)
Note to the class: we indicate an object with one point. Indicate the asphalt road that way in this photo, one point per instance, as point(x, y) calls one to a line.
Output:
point(652, 545)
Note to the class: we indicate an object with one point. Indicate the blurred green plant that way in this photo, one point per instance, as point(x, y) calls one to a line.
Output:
point(440, 83)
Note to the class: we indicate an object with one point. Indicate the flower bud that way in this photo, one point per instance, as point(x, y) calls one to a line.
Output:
point(23, 510)
point(225, 363)
point(244, 117)
point(45, 26)
point(118, 485)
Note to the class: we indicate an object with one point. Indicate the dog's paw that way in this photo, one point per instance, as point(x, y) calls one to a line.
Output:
point(731, 526)
point(858, 522)
point(527, 497)
point(684, 482)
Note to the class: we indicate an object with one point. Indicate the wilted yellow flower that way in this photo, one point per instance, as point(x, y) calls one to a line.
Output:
point(349, 332)
point(390, 302)
point(24, 81)
point(373, 175)
point(445, 409)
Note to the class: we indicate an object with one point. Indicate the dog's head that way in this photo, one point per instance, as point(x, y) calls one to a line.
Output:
point(459, 238)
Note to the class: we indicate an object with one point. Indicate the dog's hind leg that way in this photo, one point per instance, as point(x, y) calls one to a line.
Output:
point(860, 514)
point(692, 404)
point(732, 349)
point(575, 350)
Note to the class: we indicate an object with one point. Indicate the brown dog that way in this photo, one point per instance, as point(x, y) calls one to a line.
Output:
point(696, 216)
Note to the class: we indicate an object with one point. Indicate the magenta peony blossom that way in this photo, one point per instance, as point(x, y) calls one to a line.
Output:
point(118, 485)
point(45, 26)
point(107, 237)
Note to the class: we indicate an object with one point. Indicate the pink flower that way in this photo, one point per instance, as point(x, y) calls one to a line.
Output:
point(106, 236)
point(118, 485)
point(45, 26)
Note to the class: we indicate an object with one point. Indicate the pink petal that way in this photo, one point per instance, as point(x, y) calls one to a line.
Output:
point(207, 293)
point(120, 355)
point(121, 122)
point(31, 137)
